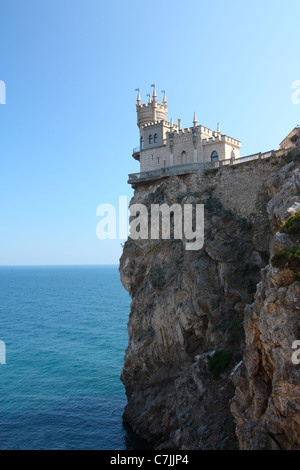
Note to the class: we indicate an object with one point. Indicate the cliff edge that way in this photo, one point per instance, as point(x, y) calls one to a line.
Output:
point(208, 362)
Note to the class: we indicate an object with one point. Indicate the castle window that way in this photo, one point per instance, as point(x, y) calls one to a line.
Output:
point(155, 138)
point(214, 156)
point(150, 139)
point(183, 157)
point(142, 143)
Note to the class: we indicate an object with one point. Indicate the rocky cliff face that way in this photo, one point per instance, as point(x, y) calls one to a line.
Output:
point(266, 405)
point(187, 326)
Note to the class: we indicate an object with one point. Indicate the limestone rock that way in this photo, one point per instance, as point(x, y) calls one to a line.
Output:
point(193, 310)
point(208, 363)
point(266, 405)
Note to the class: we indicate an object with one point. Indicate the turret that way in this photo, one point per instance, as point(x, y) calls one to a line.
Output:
point(164, 98)
point(138, 100)
point(152, 111)
point(195, 120)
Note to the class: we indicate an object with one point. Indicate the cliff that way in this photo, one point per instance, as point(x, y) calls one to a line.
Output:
point(208, 360)
point(266, 405)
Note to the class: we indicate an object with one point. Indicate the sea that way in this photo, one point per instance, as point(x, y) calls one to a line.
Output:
point(65, 335)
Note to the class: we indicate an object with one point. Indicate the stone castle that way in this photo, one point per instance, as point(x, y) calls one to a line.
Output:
point(164, 144)
point(166, 149)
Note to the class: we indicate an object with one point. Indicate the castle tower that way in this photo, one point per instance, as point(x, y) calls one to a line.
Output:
point(152, 111)
point(153, 124)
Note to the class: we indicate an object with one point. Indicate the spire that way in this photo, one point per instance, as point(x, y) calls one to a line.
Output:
point(164, 98)
point(154, 96)
point(138, 100)
point(171, 123)
point(195, 120)
point(149, 99)
point(218, 128)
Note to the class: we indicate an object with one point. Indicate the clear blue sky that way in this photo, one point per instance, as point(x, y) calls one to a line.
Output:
point(69, 123)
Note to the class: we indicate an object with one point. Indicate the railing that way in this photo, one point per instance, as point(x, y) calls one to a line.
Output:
point(255, 156)
point(157, 173)
point(168, 171)
point(136, 150)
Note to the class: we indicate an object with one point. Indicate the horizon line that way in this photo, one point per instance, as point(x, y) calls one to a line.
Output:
point(53, 265)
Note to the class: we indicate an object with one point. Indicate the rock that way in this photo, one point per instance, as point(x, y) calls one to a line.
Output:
point(294, 208)
point(266, 405)
point(280, 241)
point(226, 298)
point(174, 399)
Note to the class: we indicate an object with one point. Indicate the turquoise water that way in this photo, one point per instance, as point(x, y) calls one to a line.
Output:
point(65, 330)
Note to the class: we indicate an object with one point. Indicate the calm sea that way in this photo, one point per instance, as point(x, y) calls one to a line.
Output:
point(65, 330)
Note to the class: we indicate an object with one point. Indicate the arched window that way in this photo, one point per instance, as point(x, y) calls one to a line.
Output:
point(155, 138)
point(142, 143)
point(214, 156)
point(183, 157)
point(232, 154)
point(150, 139)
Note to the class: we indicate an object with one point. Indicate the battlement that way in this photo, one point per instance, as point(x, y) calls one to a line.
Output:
point(175, 130)
point(222, 138)
point(162, 122)
point(205, 130)
point(146, 106)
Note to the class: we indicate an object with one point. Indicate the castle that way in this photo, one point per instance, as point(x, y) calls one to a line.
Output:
point(166, 149)
point(164, 144)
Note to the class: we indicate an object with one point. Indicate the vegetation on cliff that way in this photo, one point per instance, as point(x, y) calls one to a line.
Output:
point(288, 258)
point(292, 225)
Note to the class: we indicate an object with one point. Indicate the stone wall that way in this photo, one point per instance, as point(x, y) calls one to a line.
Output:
point(154, 157)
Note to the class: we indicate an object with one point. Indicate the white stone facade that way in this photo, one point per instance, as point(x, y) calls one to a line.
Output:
point(164, 144)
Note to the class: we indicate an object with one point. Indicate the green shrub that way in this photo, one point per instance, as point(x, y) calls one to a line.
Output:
point(288, 258)
point(218, 362)
point(292, 225)
point(157, 277)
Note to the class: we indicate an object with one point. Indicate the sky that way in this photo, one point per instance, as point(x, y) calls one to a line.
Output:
point(68, 125)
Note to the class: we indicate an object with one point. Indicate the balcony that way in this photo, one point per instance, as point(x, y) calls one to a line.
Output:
point(136, 153)
point(159, 173)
